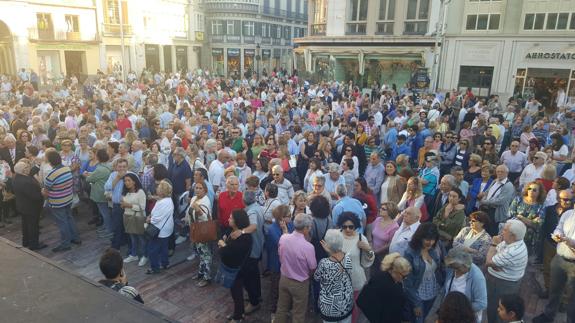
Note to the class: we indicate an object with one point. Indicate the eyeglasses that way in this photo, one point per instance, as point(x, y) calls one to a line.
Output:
point(534, 189)
point(402, 275)
point(566, 199)
point(348, 227)
point(448, 137)
point(276, 174)
point(473, 221)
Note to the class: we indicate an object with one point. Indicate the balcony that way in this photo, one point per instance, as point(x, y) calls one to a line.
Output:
point(61, 36)
point(277, 41)
point(249, 39)
point(216, 7)
point(284, 13)
point(384, 28)
point(318, 29)
point(266, 40)
point(114, 29)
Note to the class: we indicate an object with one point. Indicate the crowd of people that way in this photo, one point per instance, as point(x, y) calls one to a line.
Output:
point(375, 204)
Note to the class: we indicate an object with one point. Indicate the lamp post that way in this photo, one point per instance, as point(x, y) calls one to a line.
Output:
point(258, 58)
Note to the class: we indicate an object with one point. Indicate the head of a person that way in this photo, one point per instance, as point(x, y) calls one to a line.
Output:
point(514, 147)
point(53, 157)
point(239, 219)
point(111, 264)
point(164, 189)
point(456, 307)
point(200, 188)
point(455, 196)
point(511, 308)
point(565, 199)
point(459, 260)
point(428, 142)
point(390, 168)
point(179, 155)
point(478, 220)
point(334, 171)
point(513, 231)
point(9, 141)
point(388, 210)
point(232, 184)
point(458, 173)
point(414, 186)
point(425, 237)
point(535, 191)
point(334, 240)
point(271, 191)
point(299, 200)
point(360, 186)
point(397, 266)
point(302, 223)
point(411, 215)
point(281, 213)
point(348, 222)
point(319, 207)
point(475, 160)
point(22, 168)
point(539, 159)
point(278, 173)
point(131, 183)
point(447, 183)
point(501, 172)
point(341, 190)
point(549, 172)
point(160, 172)
point(223, 156)
point(430, 159)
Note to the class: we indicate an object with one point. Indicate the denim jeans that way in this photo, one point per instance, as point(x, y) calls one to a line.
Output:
point(138, 245)
point(106, 214)
point(158, 252)
point(118, 227)
point(66, 224)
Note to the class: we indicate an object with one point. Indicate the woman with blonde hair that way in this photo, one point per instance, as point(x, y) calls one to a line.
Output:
point(299, 204)
point(548, 175)
point(383, 298)
point(162, 218)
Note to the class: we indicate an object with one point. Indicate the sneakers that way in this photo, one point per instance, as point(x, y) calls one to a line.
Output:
point(130, 259)
point(191, 257)
point(181, 240)
point(202, 283)
point(143, 261)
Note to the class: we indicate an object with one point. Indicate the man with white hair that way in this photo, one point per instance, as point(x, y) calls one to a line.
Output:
point(347, 203)
point(11, 153)
point(333, 179)
point(217, 170)
point(402, 236)
point(285, 187)
point(496, 199)
point(506, 261)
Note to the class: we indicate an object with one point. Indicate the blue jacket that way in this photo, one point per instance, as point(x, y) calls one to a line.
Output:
point(401, 149)
point(475, 288)
point(415, 277)
point(474, 190)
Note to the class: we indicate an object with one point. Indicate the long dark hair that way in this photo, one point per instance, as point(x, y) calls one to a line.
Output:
point(137, 183)
point(425, 231)
point(362, 182)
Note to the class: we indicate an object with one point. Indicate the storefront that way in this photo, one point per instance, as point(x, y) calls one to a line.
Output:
point(152, 57)
point(249, 59)
point(54, 61)
point(233, 62)
point(266, 57)
point(218, 61)
point(182, 58)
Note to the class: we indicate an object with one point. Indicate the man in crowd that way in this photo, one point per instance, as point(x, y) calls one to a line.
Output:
point(497, 199)
point(401, 237)
point(346, 203)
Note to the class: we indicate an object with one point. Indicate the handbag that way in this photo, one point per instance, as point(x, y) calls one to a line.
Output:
point(226, 276)
point(152, 231)
point(205, 231)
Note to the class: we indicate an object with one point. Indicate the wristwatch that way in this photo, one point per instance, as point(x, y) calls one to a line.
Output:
point(243, 232)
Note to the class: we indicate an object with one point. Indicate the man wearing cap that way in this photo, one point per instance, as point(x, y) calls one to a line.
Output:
point(333, 180)
point(533, 171)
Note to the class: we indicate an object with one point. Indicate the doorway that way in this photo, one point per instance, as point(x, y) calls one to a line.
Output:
point(75, 63)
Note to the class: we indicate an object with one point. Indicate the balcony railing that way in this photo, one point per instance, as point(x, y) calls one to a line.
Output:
point(356, 28)
point(318, 29)
point(50, 35)
point(284, 13)
point(266, 40)
point(415, 28)
point(115, 29)
point(231, 7)
point(249, 39)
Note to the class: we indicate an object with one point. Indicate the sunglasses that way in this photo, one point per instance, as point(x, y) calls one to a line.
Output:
point(383, 209)
point(566, 199)
point(348, 227)
point(348, 150)
point(533, 189)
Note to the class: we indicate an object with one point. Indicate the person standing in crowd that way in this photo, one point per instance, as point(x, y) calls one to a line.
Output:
point(515, 160)
point(496, 200)
point(58, 189)
point(402, 236)
point(134, 204)
point(474, 239)
point(375, 174)
point(29, 203)
point(297, 258)
point(285, 187)
point(451, 217)
point(162, 218)
point(455, 308)
point(511, 308)
point(441, 197)
point(113, 188)
point(346, 203)
point(200, 210)
point(506, 261)
point(229, 200)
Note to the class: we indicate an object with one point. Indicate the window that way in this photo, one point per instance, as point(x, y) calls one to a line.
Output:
point(386, 17)
point(217, 27)
point(72, 24)
point(551, 20)
point(265, 30)
point(562, 20)
point(417, 16)
point(287, 32)
point(248, 28)
point(557, 21)
point(357, 18)
point(554, 21)
point(572, 25)
point(199, 22)
point(482, 22)
point(45, 27)
point(319, 17)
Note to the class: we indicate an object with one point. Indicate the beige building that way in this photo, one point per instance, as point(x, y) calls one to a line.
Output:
point(367, 41)
point(511, 48)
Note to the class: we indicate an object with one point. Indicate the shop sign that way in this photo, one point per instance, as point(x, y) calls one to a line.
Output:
point(550, 55)
point(200, 35)
point(249, 52)
point(217, 51)
point(181, 50)
point(420, 80)
point(266, 53)
point(233, 52)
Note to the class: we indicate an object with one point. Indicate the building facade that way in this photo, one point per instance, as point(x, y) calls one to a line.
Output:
point(54, 38)
point(367, 41)
point(511, 48)
point(246, 36)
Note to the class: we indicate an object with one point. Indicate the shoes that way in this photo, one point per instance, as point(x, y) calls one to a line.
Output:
point(252, 308)
point(191, 257)
point(165, 267)
point(203, 283)
point(130, 259)
point(143, 261)
point(181, 240)
point(40, 246)
point(542, 318)
point(231, 318)
point(152, 272)
point(61, 248)
point(76, 242)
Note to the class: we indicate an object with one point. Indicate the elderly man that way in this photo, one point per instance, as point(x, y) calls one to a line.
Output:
point(319, 189)
point(506, 261)
point(29, 203)
point(447, 183)
point(533, 171)
point(217, 170)
point(496, 199)
point(113, 189)
point(515, 160)
point(348, 204)
point(297, 258)
point(562, 266)
point(402, 236)
point(11, 152)
point(374, 173)
point(333, 180)
point(228, 201)
point(285, 188)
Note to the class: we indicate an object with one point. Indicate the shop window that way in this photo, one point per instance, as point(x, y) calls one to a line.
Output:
point(482, 22)
point(562, 20)
point(478, 78)
point(572, 24)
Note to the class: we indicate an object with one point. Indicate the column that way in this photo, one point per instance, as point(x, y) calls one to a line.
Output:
point(372, 16)
point(174, 61)
point(161, 56)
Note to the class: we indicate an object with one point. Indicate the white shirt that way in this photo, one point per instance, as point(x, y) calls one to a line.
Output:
point(511, 259)
point(566, 227)
point(401, 238)
point(516, 162)
point(216, 175)
point(162, 213)
point(530, 173)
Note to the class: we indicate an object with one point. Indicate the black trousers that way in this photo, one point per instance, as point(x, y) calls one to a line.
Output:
point(30, 230)
point(248, 278)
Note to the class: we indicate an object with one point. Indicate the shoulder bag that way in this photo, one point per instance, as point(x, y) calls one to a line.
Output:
point(204, 231)
point(152, 231)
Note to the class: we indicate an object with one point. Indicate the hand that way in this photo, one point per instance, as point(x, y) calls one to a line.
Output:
point(418, 311)
point(557, 238)
point(236, 234)
point(496, 240)
point(363, 245)
point(325, 246)
point(283, 226)
point(221, 244)
point(148, 219)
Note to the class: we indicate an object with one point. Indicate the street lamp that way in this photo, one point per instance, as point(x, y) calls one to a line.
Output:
point(258, 57)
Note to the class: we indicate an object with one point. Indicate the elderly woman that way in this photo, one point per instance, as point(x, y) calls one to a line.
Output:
point(529, 208)
point(383, 298)
point(313, 171)
point(384, 227)
point(359, 250)
point(392, 187)
point(282, 225)
point(334, 276)
point(451, 217)
point(463, 276)
point(423, 283)
point(480, 186)
point(134, 205)
point(29, 203)
point(299, 204)
point(200, 210)
point(161, 217)
point(474, 239)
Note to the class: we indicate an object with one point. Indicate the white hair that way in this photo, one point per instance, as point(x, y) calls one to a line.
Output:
point(334, 240)
point(517, 228)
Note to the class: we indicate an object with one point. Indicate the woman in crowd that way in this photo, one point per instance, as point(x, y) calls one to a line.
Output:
point(488, 152)
point(334, 275)
point(528, 208)
point(525, 138)
point(307, 151)
point(479, 187)
point(414, 197)
point(357, 247)
point(474, 239)
point(451, 217)
point(392, 188)
point(362, 193)
point(282, 225)
point(233, 253)
point(463, 153)
point(325, 152)
point(423, 283)
point(348, 153)
point(271, 150)
point(96, 180)
point(347, 174)
point(156, 149)
point(257, 146)
point(437, 140)
point(429, 175)
point(313, 171)
point(463, 276)
point(560, 151)
point(134, 205)
point(299, 204)
point(321, 216)
point(161, 217)
point(383, 229)
point(83, 150)
point(559, 184)
point(383, 298)
point(455, 308)
point(200, 210)
point(261, 168)
point(474, 169)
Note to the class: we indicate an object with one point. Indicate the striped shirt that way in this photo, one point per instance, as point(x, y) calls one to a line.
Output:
point(59, 183)
point(511, 260)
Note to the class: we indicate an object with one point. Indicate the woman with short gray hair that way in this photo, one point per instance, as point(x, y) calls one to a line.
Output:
point(462, 275)
point(335, 301)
